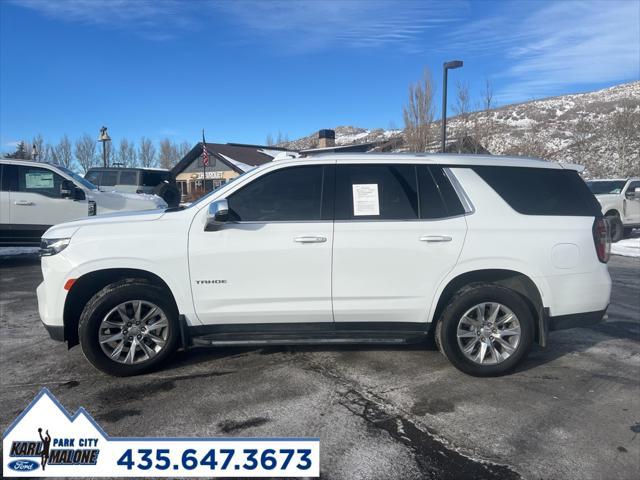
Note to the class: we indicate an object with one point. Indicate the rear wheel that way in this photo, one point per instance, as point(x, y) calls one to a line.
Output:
point(485, 330)
point(129, 328)
point(616, 227)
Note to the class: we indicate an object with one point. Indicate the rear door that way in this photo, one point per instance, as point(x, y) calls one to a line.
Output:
point(399, 230)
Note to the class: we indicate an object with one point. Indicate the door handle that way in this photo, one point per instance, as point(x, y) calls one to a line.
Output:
point(435, 238)
point(310, 239)
point(24, 203)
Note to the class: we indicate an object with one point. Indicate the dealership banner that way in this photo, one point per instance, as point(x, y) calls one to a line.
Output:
point(46, 441)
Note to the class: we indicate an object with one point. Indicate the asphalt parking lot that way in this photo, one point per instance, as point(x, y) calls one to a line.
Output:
point(571, 411)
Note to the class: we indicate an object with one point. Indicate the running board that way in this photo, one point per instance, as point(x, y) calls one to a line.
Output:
point(262, 340)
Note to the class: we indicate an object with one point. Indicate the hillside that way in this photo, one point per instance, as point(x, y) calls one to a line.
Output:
point(600, 130)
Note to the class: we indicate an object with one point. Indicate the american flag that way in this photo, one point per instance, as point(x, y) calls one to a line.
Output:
point(205, 153)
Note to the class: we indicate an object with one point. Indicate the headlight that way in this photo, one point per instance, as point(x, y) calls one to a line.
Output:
point(51, 246)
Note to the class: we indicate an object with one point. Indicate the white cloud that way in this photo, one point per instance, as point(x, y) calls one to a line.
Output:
point(553, 45)
point(308, 25)
point(153, 19)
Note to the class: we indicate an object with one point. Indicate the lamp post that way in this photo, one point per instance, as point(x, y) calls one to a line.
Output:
point(104, 138)
point(445, 67)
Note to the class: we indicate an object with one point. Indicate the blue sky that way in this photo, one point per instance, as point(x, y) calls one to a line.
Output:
point(243, 69)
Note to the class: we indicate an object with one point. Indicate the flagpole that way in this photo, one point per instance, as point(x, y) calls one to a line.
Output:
point(204, 165)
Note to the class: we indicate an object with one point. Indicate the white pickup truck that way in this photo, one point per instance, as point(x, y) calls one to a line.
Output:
point(620, 202)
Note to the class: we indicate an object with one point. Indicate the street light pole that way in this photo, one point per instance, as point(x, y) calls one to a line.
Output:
point(104, 138)
point(445, 67)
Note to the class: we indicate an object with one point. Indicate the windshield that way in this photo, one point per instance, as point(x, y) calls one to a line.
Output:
point(83, 181)
point(216, 189)
point(607, 187)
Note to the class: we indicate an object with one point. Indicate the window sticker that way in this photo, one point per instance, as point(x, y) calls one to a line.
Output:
point(365, 199)
point(39, 179)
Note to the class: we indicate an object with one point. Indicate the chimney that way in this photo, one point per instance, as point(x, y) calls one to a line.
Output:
point(326, 138)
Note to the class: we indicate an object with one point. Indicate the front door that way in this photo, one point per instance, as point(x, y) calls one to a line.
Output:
point(37, 202)
point(399, 229)
point(632, 204)
point(272, 263)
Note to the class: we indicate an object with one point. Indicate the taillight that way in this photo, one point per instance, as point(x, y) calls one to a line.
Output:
point(602, 239)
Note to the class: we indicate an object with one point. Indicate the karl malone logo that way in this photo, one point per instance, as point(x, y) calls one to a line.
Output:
point(63, 452)
point(64, 441)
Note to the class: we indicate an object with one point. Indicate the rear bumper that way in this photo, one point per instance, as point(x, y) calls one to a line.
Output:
point(563, 322)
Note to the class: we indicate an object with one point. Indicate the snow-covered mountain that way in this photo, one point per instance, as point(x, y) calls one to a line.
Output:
point(600, 130)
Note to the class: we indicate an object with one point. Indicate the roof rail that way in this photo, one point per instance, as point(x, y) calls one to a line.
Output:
point(285, 156)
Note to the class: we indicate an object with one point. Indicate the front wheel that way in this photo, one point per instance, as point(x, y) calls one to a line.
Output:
point(129, 328)
point(485, 330)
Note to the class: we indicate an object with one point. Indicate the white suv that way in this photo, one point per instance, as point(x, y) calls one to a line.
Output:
point(487, 253)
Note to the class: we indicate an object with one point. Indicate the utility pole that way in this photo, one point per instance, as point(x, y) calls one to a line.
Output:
point(104, 138)
point(445, 67)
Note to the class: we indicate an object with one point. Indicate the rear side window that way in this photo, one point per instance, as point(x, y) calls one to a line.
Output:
point(290, 194)
point(438, 198)
point(128, 177)
point(9, 178)
point(541, 191)
point(376, 192)
point(151, 179)
point(109, 178)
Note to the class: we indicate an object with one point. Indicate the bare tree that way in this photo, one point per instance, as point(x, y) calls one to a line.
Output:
point(269, 140)
point(623, 129)
point(85, 152)
point(147, 153)
point(418, 113)
point(183, 149)
point(462, 107)
point(126, 154)
point(61, 153)
point(168, 156)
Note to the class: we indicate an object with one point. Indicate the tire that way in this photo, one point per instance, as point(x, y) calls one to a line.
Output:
point(498, 360)
point(628, 231)
point(104, 310)
point(169, 193)
point(615, 227)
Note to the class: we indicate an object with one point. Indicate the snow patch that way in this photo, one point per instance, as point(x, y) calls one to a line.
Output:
point(629, 247)
point(12, 251)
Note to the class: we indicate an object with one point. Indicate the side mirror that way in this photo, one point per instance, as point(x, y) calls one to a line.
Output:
point(217, 215)
point(67, 188)
point(78, 194)
point(633, 194)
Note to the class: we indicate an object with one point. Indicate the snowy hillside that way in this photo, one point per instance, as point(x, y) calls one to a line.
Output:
point(600, 130)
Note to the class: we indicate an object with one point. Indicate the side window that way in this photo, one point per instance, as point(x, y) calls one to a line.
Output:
point(290, 194)
point(128, 177)
point(109, 178)
point(431, 202)
point(633, 186)
point(39, 180)
point(9, 178)
point(93, 177)
point(452, 203)
point(376, 192)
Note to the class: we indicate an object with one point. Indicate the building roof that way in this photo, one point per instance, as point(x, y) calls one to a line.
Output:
point(235, 155)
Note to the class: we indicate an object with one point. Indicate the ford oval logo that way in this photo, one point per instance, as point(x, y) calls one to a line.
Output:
point(23, 465)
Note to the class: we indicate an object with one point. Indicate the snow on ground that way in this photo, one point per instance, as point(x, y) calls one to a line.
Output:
point(10, 251)
point(629, 247)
